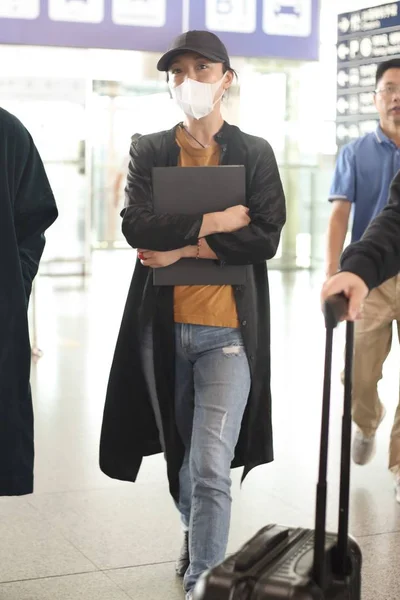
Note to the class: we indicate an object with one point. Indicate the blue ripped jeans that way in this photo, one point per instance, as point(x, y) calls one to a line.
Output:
point(211, 391)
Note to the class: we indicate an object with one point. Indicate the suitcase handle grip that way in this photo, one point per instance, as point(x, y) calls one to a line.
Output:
point(259, 546)
point(335, 309)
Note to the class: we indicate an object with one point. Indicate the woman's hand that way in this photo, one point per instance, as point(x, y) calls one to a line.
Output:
point(153, 259)
point(235, 218)
point(226, 221)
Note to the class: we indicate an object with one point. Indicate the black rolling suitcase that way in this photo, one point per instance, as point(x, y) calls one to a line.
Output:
point(301, 564)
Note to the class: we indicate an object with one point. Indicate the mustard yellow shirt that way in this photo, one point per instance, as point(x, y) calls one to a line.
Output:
point(202, 305)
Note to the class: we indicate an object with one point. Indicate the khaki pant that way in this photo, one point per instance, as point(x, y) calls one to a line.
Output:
point(372, 343)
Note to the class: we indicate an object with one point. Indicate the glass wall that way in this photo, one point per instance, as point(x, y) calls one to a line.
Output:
point(122, 110)
point(54, 113)
point(83, 116)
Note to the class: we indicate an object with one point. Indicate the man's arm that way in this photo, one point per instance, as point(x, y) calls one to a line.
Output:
point(336, 234)
point(371, 261)
point(342, 195)
point(376, 257)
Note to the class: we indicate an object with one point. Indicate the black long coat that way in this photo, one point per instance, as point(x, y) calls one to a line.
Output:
point(129, 430)
point(27, 208)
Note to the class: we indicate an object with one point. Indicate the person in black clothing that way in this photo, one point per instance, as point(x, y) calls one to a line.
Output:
point(367, 264)
point(27, 209)
point(191, 370)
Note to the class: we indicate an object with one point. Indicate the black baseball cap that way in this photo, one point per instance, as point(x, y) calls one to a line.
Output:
point(205, 43)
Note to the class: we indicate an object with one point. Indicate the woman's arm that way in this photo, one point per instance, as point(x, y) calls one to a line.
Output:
point(161, 232)
point(141, 227)
point(155, 259)
point(259, 240)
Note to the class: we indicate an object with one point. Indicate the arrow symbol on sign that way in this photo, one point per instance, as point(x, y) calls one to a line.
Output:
point(354, 79)
point(344, 25)
point(354, 105)
point(342, 78)
point(343, 51)
point(342, 105)
point(354, 131)
point(341, 132)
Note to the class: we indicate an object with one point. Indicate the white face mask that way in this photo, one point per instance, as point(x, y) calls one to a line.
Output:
point(196, 98)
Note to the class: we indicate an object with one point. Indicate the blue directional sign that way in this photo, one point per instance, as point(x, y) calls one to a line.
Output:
point(274, 28)
point(123, 24)
point(366, 38)
point(256, 28)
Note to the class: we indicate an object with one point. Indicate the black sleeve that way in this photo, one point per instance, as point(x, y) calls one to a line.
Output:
point(259, 241)
point(141, 227)
point(376, 257)
point(34, 211)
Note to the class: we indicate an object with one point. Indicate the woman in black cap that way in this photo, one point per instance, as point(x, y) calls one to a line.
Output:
point(207, 403)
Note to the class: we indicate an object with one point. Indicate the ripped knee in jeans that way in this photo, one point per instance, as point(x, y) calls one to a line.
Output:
point(232, 350)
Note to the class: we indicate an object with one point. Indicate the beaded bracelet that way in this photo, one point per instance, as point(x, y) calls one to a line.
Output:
point(198, 248)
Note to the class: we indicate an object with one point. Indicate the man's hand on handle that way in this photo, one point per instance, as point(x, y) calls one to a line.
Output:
point(352, 286)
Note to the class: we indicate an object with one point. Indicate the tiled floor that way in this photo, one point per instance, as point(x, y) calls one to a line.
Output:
point(84, 536)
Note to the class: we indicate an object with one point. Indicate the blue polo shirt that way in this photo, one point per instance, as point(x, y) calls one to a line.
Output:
point(363, 174)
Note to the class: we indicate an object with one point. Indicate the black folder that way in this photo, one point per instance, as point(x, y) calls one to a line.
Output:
point(193, 190)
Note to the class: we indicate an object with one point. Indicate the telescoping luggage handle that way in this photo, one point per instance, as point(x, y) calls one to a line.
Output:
point(335, 309)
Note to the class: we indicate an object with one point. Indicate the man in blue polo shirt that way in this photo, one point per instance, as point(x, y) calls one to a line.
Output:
point(360, 187)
